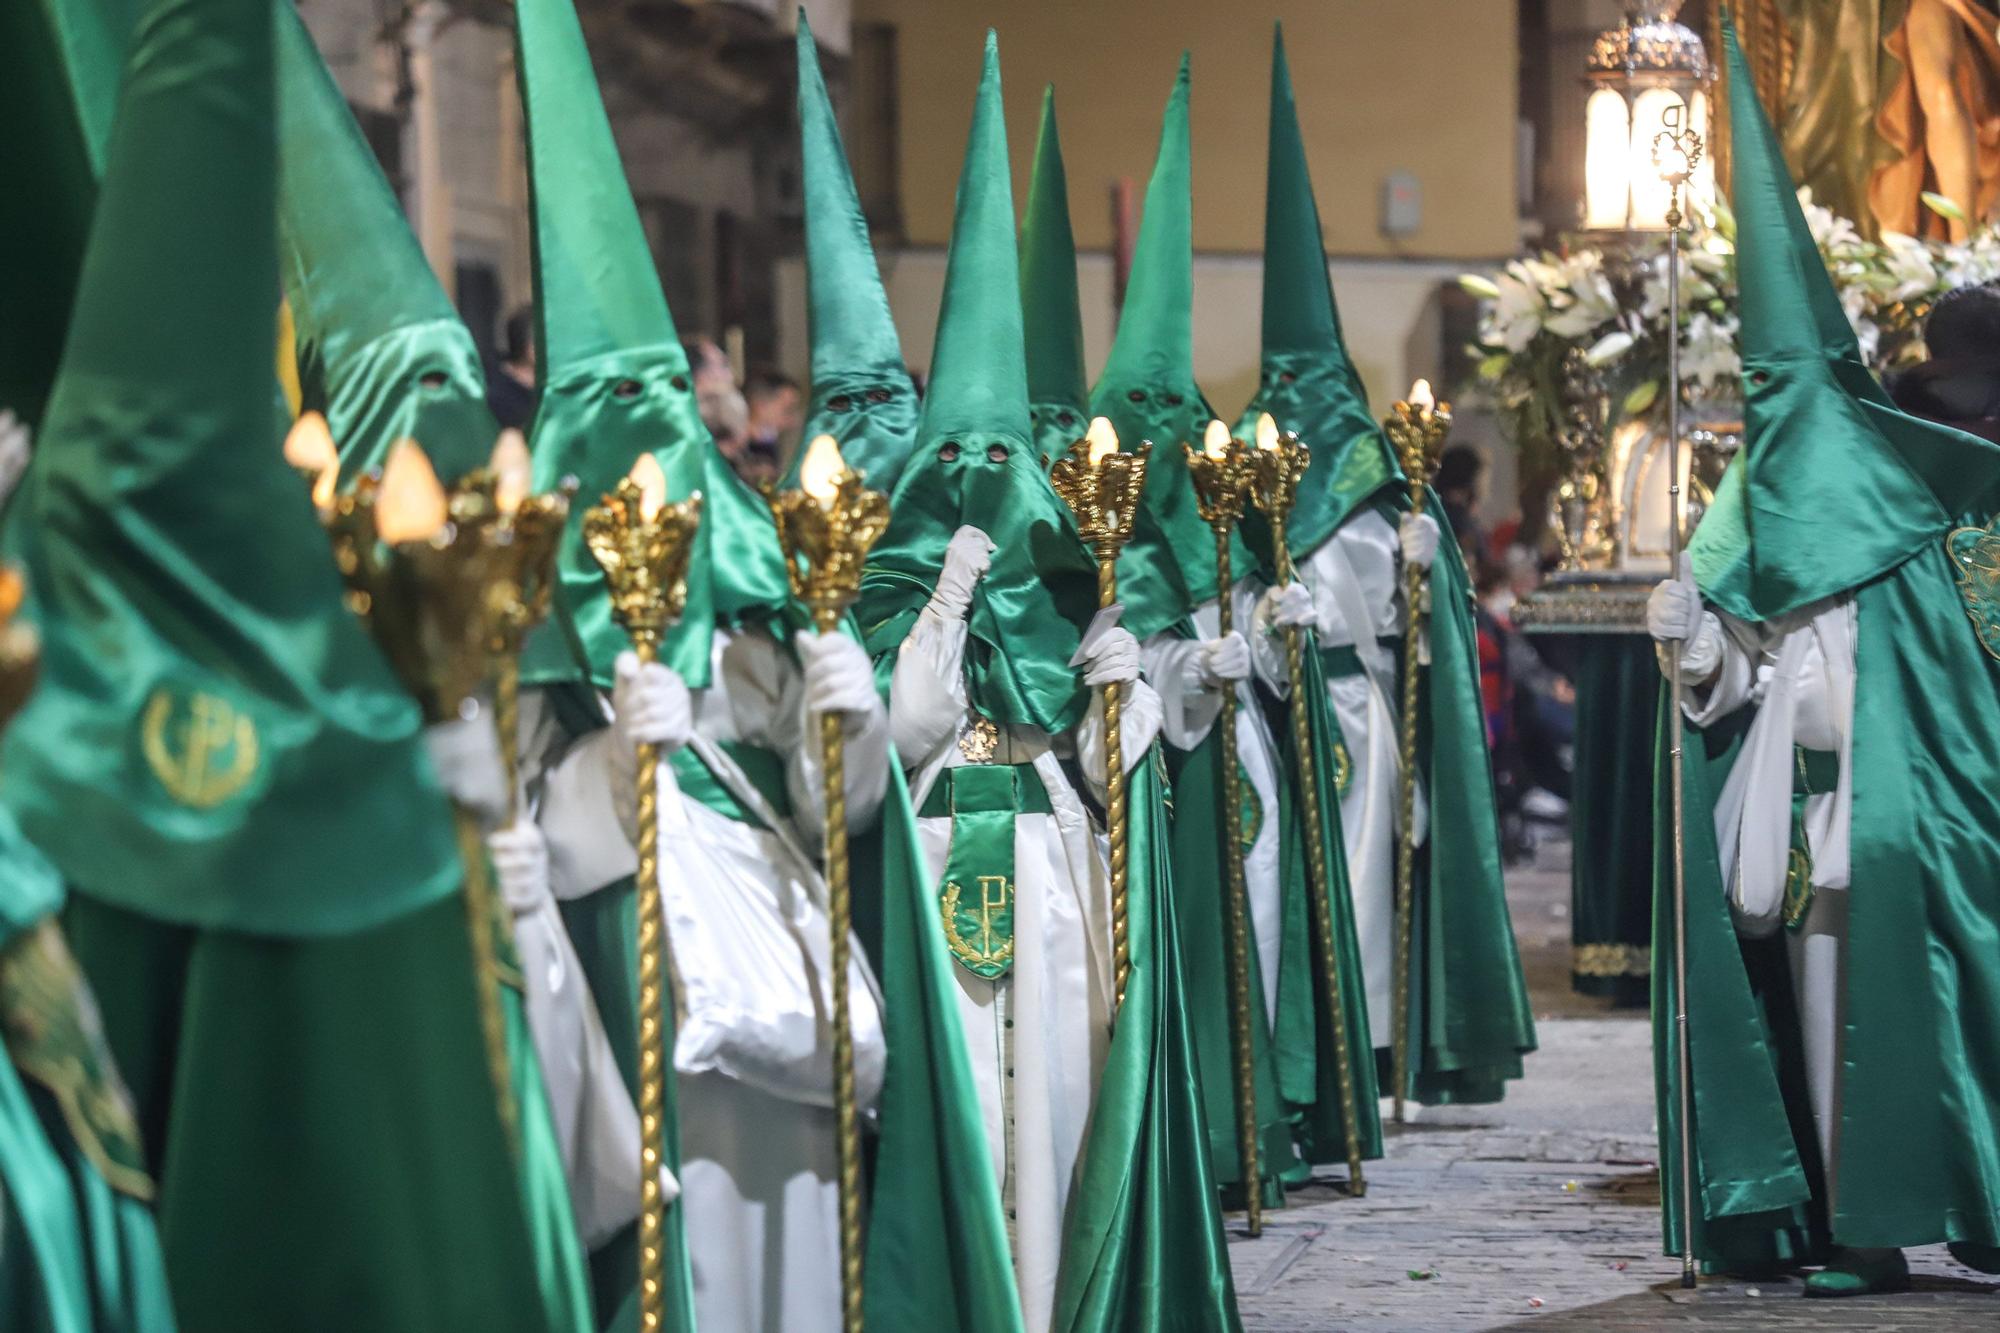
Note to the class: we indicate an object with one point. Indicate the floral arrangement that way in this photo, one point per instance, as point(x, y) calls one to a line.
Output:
point(1575, 343)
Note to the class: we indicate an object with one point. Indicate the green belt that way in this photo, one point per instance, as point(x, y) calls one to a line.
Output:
point(1815, 772)
point(976, 893)
point(982, 789)
point(1346, 659)
point(764, 768)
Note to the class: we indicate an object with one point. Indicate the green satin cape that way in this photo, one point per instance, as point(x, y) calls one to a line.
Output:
point(215, 741)
point(381, 352)
point(1143, 1244)
point(861, 389)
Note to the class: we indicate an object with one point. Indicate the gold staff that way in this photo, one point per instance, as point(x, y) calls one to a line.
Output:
point(643, 545)
point(826, 528)
point(1677, 151)
point(1417, 429)
point(1101, 487)
point(419, 563)
point(529, 528)
point(1218, 471)
point(1277, 464)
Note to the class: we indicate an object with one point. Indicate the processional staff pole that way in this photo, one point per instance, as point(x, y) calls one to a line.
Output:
point(1220, 473)
point(643, 544)
point(1677, 152)
point(1278, 464)
point(1101, 486)
point(826, 528)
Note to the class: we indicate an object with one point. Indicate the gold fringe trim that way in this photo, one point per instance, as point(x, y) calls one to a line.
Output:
point(1611, 960)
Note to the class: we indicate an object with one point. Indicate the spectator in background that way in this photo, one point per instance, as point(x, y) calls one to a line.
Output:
point(719, 401)
point(510, 386)
point(1960, 384)
point(777, 414)
point(1461, 472)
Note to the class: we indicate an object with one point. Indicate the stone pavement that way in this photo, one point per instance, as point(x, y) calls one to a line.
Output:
point(1542, 1211)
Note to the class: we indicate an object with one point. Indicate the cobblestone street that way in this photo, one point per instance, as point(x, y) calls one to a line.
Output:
point(1542, 1211)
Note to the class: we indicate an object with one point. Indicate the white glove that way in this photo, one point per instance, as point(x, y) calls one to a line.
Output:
point(650, 704)
point(465, 753)
point(1675, 618)
point(1115, 660)
point(1224, 661)
point(16, 444)
point(1289, 606)
point(839, 676)
point(966, 558)
point(1418, 534)
point(521, 861)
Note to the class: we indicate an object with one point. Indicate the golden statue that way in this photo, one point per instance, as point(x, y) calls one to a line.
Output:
point(1881, 100)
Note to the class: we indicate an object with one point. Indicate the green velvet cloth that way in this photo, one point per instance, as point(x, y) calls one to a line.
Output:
point(1051, 312)
point(614, 380)
point(1148, 392)
point(1617, 678)
point(380, 350)
point(1143, 1245)
point(328, 1147)
point(210, 731)
point(861, 389)
point(1030, 607)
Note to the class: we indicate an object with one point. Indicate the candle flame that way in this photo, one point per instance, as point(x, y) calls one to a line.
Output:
point(820, 473)
point(309, 448)
point(1421, 396)
point(1267, 431)
point(1216, 442)
point(651, 480)
point(511, 470)
point(410, 503)
point(1103, 439)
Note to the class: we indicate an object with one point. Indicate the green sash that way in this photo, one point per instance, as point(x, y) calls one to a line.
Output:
point(976, 896)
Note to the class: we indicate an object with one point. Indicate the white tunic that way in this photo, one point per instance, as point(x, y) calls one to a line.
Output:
point(745, 911)
point(1356, 575)
point(1799, 671)
point(1037, 1037)
point(1189, 712)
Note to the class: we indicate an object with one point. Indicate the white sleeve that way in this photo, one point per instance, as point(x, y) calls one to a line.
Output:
point(1189, 708)
point(927, 697)
point(1374, 555)
point(864, 761)
point(1138, 727)
point(589, 846)
point(1267, 651)
point(1738, 680)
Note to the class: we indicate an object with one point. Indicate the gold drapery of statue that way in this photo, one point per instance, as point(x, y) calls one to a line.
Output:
point(1880, 100)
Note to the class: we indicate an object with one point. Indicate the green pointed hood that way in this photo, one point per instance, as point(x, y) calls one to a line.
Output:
point(215, 740)
point(1148, 391)
point(1029, 610)
point(59, 63)
point(614, 380)
point(861, 389)
point(1306, 381)
point(1833, 486)
point(381, 352)
point(1058, 389)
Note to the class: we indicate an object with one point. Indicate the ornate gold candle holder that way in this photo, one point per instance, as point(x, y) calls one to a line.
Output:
point(826, 528)
point(1101, 486)
point(1277, 465)
point(1416, 429)
point(526, 535)
point(644, 545)
point(1220, 472)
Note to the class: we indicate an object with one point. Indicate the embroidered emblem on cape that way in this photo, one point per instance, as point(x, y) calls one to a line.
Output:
point(979, 928)
point(1343, 768)
point(1250, 810)
point(981, 743)
point(202, 750)
point(1976, 554)
point(54, 1036)
point(1798, 889)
